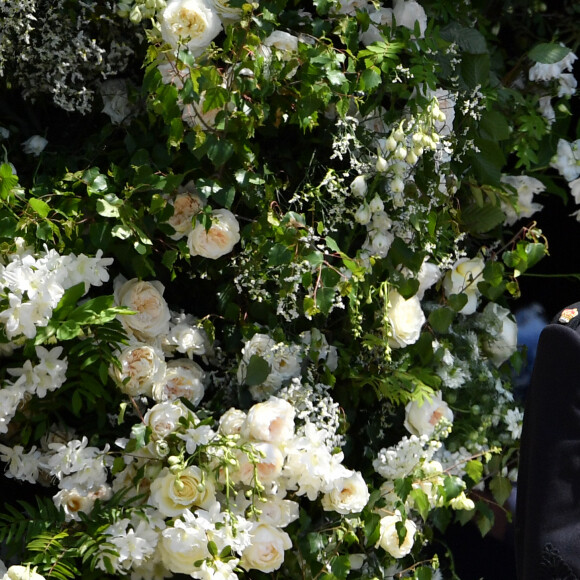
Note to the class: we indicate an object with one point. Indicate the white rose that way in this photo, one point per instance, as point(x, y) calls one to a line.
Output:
point(405, 318)
point(195, 116)
point(73, 501)
point(172, 493)
point(463, 279)
point(189, 339)
point(163, 418)
point(407, 12)
point(284, 42)
point(271, 421)
point(185, 206)
point(359, 186)
point(278, 512)
point(421, 418)
point(34, 145)
point(183, 378)
point(191, 22)
point(142, 367)
point(146, 299)
point(350, 495)
point(266, 552)
point(219, 240)
point(22, 573)
point(429, 274)
point(181, 546)
point(116, 100)
point(227, 13)
point(389, 539)
point(231, 421)
point(505, 339)
point(268, 467)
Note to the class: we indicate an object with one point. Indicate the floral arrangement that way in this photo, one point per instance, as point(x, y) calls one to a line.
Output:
point(258, 264)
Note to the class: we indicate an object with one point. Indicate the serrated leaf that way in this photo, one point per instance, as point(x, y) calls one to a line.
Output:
point(548, 53)
point(474, 469)
point(39, 206)
point(479, 220)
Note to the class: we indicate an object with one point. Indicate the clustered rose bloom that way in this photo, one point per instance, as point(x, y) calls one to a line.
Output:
point(350, 495)
point(422, 418)
point(266, 552)
point(142, 367)
point(389, 538)
point(193, 23)
point(219, 240)
point(146, 299)
point(405, 318)
point(186, 205)
point(504, 341)
point(463, 279)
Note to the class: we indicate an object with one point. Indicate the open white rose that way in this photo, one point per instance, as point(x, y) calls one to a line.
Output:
point(408, 12)
point(389, 539)
point(278, 512)
point(181, 546)
point(271, 421)
point(268, 467)
point(22, 573)
point(185, 206)
point(219, 240)
point(34, 145)
point(405, 318)
point(142, 367)
point(350, 495)
point(421, 418)
point(463, 279)
point(146, 299)
point(266, 552)
point(183, 378)
point(193, 23)
point(286, 43)
point(172, 493)
point(163, 418)
point(505, 340)
point(231, 421)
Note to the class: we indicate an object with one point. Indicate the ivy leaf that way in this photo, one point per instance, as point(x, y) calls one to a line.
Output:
point(548, 53)
point(501, 488)
point(441, 319)
point(257, 371)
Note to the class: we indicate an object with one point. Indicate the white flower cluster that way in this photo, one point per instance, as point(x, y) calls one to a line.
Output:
point(31, 286)
point(32, 380)
point(549, 72)
point(255, 459)
point(46, 48)
point(523, 205)
point(156, 333)
point(284, 361)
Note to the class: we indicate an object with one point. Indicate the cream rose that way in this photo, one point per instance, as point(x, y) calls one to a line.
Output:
point(421, 418)
point(405, 318)
point(463, 279)
point(268, 467)
point(350, 495)
point(146, 299)
point(181, 546)
point(185, 206)
point(172, 493)
point(389, 538)
point(231, 421)
point(266, 552)
point(183, 378)
point(278, 512)
point(193, 23)
point(142, 367)
point(504, 341)
point(271, 421)
point(22, 573)
point(163, 418)
point(284, 42)
point(219, 240)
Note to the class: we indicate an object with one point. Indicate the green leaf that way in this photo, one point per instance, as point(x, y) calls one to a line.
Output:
point(474, 470)
point(340, 566)
point(39, 206)
point(8, 181)
point(479, 220)
point(279, 255)
point(421, 502)
point(403, 487)
point(501, 488)
point(370, 79)
point(453, 486)
point(494, 126)
point(475, 69)
point(324, 299)
point(548, 53)
point(441, 319)
point(109, 205)
point(257, 371)
point(372, 528)
point(457, 301)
